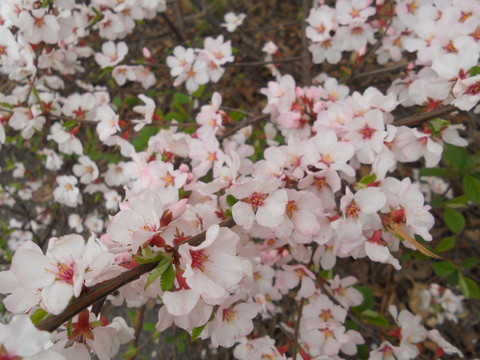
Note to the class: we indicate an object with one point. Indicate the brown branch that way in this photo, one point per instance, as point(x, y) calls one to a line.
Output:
point(99, 291)
point(243, 124)
point(297, 328)
point(172, 27)
point(417, 119)
point(375, 71)
point(265, 62)
point(305, 51)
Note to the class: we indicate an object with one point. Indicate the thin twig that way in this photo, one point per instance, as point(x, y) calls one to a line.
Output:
point(140, 348)
point(375, 71)
point(243, 124)
point(297, 328)
point(172, 27)
point(264, 62)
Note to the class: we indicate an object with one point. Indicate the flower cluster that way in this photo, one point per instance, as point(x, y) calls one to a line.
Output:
point(229, 238)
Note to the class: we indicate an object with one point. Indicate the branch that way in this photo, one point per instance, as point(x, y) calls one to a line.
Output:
point(417, 119)
point(243, 124)
point(99, 291)
point(297, 327)
point(375, 71)
point(265, 62)
point(305, 53)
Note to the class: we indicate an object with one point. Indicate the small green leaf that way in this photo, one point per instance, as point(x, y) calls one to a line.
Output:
point(434, 171)
point(437, 124)
point(469, 263)
point(228, 213)
point(159, 270)
point(368, 300)
point(375, 318)
point(368, 179)
point(454, 220)
point(231, 200)
point(456, 156)
point(474, 71)
point(168, 278)
point(457, 203)
point(148, 256)
point(446, 244)
point(180, 347)
point(69, 328)
point(469, 288)
point(149, 327)
point(196, 332)
point(443, 268)
point(471, 186)
point(38, 316)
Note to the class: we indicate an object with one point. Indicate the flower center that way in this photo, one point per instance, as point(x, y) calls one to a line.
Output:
point(320, 183)
point(367, 132)
point(473, 89)
point(198, 259)
point(351, 211)
point(256, 200)
point(290, 208)
point(228, 314)
point(65, 272)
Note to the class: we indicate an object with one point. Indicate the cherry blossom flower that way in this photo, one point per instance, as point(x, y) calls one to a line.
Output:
point(112, 54)
point(63, 269)
point(20, 339)
point(232, 21)
point(108, 122)
point(86, 170)
point(147, 110)
point(444, 347)
point(212, 268)
point(67, 192)
point(260, 200)
point(231, 322)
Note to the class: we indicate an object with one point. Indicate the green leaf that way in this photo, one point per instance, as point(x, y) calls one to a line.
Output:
point(228, 213)
point(446, 244)
point(159, 270)
point(471, 186)
point(457, 203)
point(69, 328)
point(117, 101)
point(456, 156)
point(149, 327)
point(38, 316)
point(435, 171)
point(199, 92)
point(368, 179)
point(452, 279)
point(436, 125)
point(168, 278)
point(469, 288)
point(148, 256)
point(231, 200)
point(368, 301)
point(196, 332)
point(180, 347)
point(469, 263)
point(443, 268)
point(474, 71)
point(182, 98)
point(454, 220)
point(375, 318)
